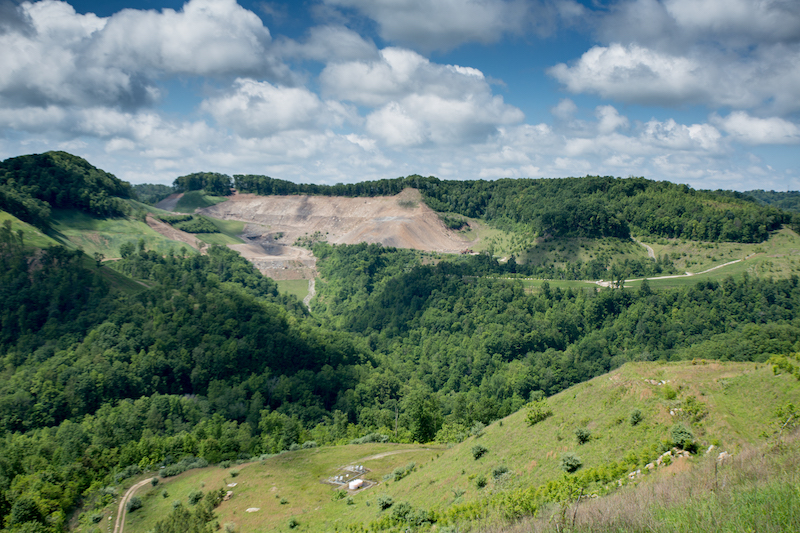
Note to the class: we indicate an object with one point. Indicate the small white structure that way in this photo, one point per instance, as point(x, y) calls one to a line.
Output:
point(355, 484)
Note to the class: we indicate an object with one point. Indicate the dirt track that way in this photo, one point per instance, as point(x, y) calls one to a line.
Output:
point(274, 223)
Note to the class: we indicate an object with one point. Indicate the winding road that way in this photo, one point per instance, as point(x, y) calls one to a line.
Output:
point(122, 509)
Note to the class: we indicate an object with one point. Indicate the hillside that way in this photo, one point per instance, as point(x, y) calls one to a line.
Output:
point(275, 225)
point(123, 350)
point(712, 399)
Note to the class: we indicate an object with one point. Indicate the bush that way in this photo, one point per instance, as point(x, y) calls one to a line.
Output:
point(195, 496)
point(385, 501)
point(309, 444)
point(134, 503)
point(479, 451)
point(538, 411)
point(293, 523)
point(582, 435)
point(499, 471)
point(570, 463)
point(234, 473)
point(371, 437)
point(635, 417)
point(154, 481)
point(683, 438)
point(480, 481)
point(339, 495)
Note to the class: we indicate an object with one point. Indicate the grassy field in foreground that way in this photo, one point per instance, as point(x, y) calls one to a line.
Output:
point(281, 487)
point(729, 405)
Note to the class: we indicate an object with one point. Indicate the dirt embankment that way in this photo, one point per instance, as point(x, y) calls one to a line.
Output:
point(175, 234)
point(275, 223)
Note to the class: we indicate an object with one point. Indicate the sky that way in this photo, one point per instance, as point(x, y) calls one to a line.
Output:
point(702, 92)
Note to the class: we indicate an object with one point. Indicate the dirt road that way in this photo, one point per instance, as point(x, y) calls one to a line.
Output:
point(122, 509)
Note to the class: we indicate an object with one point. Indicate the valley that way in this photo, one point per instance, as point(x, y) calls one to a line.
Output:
point(259, 337)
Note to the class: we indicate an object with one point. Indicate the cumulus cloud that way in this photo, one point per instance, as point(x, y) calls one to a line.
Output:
point(260, 109)
point(418, 101)
point(753, 130)
point(330, 43)
point(446, 24)
point(631, 73)
point(61, 57)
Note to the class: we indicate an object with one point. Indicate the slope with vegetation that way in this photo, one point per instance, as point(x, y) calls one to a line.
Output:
point(169, 358)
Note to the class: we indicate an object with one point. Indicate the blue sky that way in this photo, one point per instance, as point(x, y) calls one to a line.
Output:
point(704, 92)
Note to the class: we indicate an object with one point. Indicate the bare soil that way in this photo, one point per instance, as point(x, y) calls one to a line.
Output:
point(275, 223)
point(175, 234)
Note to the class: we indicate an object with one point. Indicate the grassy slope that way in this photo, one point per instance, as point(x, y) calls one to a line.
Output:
point(95, 235)
point(297, 287)
point(195, 199)
point(740, 399)
point(294, 478)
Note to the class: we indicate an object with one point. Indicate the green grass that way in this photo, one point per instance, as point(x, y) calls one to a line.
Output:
point(445, 478)
point(97, 235)
point(294, 476)
point(196, 199)
point(229, 231)
point(31, 235)
point(297, 287)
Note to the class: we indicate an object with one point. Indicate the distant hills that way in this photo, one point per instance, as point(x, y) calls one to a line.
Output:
point(147, 354)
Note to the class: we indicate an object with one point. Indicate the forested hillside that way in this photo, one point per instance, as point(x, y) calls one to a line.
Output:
point(199, 359)
point(31, 185)
point(592, 207)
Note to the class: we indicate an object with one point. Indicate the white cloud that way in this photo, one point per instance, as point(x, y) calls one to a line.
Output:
point(66, 58)
point(609, 119)
point(442, 24)
point(260, 109)
point(330, 43)
point(635, 74)
point(753, 130)
point(418, 101)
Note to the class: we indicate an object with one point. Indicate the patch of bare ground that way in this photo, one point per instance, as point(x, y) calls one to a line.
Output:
point(275, 223)
point(174, 234)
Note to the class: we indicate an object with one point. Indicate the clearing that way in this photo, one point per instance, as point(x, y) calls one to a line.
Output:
point(277, 226)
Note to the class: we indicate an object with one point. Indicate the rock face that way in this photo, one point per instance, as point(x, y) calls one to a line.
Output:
point(275, 223)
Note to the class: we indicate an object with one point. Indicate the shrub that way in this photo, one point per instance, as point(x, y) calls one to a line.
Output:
point(479, 451)
point(309, 444)
point(570, 463)
point(284, 501)
point(582, 435)
point(499, 471)
point(402, 471)
point(293, 523)
point(96, 518)
point(195, 496)
point(339, 495)
point(154, 481)
point(480, 482)
point(165, 494)
point(385, 501)
point(226, 463)
point(134, 503)
point(538, 411)
point(234, 473)
point(635, 417)
point(369, 438)
point(683, 438)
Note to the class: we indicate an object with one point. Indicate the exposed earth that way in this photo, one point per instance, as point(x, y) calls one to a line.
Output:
point(275, 226)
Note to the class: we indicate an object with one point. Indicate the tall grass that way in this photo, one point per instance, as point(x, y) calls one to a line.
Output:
point(756, 490)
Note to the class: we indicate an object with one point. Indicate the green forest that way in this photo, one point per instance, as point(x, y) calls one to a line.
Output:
point(206, 361)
